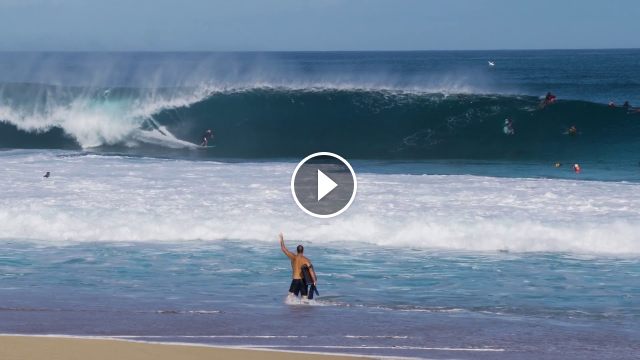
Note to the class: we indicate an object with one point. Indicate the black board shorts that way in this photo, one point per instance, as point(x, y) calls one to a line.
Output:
point(298, 287)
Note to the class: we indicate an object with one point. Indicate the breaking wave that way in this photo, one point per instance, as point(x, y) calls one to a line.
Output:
point(273, 120)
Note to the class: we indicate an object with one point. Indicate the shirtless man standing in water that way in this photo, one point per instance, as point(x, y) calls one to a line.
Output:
point(297, 261)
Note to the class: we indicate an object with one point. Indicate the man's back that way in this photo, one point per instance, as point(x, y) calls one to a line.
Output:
point(297, 261)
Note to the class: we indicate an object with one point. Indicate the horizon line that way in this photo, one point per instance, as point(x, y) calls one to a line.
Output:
point(303, 51)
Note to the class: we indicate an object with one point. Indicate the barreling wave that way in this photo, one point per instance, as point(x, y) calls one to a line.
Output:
point(267, 120)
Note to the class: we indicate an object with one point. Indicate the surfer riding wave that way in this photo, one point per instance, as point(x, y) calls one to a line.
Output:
point(205, 137)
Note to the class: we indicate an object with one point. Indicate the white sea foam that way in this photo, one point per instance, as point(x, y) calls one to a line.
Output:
point(95, 198)
point(395, 347)
point(94, 123)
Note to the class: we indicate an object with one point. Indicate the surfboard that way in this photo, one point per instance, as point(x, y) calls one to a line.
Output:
point(308, 281)
point(546, 102)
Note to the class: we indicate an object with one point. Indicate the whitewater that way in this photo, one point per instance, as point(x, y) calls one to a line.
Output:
point(122, 198)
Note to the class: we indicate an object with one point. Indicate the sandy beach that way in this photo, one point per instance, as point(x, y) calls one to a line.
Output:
point(61, 348)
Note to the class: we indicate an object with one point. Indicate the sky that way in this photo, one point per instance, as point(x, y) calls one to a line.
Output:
point(320, 25)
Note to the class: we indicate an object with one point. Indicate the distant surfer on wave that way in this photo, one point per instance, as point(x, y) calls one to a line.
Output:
point(206, 135)
point(298, 285)
point(508, 125)
point(547, 100)
point(625, 105)
point(549, 97)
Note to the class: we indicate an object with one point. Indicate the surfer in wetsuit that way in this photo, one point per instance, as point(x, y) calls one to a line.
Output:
point(206, 135)
point(509, 125)
point(297, 261)
point(549, 97)
point(626, 104)
point(547, 100)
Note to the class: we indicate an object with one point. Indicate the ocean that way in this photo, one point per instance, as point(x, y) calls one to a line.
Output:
point(463, 242)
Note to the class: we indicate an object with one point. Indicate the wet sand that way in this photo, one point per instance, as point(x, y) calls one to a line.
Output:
point(61, 348)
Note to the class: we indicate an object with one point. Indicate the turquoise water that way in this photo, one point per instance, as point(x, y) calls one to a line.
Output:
point(374, 300)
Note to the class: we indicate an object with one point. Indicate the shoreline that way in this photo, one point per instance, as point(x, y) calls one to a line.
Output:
point(70, 347)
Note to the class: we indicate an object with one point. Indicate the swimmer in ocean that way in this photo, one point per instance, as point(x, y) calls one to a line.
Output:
point(297, 261)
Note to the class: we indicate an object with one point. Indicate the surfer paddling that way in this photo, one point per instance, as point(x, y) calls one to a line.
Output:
point(205, 137)
point(547, 100)
point(298, 284)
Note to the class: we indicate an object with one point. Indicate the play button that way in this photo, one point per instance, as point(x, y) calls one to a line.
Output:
point(323, 185)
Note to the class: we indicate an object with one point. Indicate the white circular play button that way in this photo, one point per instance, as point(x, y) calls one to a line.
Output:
point(324, 185)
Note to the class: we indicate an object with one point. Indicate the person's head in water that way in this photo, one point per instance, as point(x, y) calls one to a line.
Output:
point(626, 104)
point(300, 249)
point(47, 174)
point(208, 131)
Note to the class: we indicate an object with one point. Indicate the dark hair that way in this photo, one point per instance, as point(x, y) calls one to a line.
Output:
point(300, 249)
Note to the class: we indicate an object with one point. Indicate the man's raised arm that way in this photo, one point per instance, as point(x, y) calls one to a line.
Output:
point(284, 249)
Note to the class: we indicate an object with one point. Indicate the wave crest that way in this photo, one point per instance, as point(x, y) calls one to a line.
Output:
point(292, 120)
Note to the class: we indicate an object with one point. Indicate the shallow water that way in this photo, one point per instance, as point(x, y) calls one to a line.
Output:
point(374, 300)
